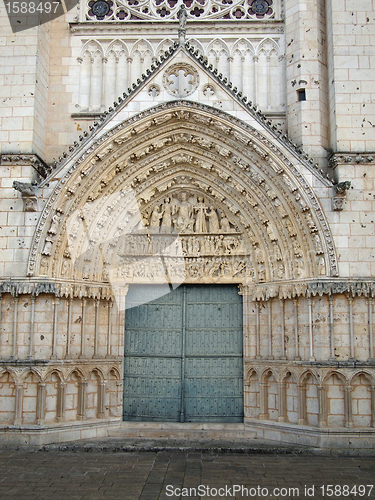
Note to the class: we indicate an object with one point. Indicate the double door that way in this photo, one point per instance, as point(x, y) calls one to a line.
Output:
point(183, 355)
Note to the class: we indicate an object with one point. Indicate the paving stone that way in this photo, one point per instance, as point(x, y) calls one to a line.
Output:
point(128, 476)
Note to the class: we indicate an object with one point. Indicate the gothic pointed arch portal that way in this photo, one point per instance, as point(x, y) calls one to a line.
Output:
point(183, 193)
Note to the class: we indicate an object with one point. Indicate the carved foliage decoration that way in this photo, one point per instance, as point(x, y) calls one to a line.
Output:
point(183, 194)
point(120, 10)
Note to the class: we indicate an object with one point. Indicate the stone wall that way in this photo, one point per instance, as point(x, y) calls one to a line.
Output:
point(24, 79)
point(306, 70)
point(351, 69)
point(61, 364)
point(308, 342)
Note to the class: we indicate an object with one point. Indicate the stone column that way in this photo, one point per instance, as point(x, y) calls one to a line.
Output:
point(41, 404)
point(351, 331)
point(255, 90)
point(246, 399)
point(331, 330)
point(282, 402)
point(257, 331)
point(268, 73)
point(129, 61)
point(96, 83)
point(370, 329)
point(122, 319)
point(69, 327)
point(96, 333)
point(121, 76)
point(32, 320)
point(282, 321)
point(60, 411)
point(270, 355)
point(109, 83)
point(85, 79)
point(54, 329)
point(297, 357)
point(282, 74)
point(18, 403)
point(311, 345)
point(348, 406)
point(373, 405)
point(322, 400)
point(101, 399)
point(15, 321)
point(109, 336)
point(244, 291)
point(243, 76)
point(302, 420)
point(104, 81)
point(119, 397)
point(1, 301)
point(142, 64)
point(81, 410)
point(230, 69)
point(83, 329)
point(263, 387)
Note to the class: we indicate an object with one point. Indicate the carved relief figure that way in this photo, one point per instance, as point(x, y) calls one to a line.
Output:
point(322, 266)
point(277, 250)
point(201, 210)
point(156, 215)
point(54, 224)
point(184, 222)
point(280, 272)
point(166, 223)
point(105, 275)
point(47, 250)
point(318, 244)
point(182, 17)
point(225, 226)
point(271, 232)
point(65, 268)
point(213, 220)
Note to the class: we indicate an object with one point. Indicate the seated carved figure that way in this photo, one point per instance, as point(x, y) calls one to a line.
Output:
point(184, 222)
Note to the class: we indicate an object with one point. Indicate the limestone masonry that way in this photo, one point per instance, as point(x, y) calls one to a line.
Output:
point(202, 144)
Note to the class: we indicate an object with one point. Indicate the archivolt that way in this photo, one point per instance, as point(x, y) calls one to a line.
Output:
point(188, 147)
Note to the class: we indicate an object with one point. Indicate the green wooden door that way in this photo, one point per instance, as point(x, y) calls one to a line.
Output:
point(183, 355)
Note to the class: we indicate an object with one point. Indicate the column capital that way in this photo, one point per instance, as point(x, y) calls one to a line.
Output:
point(245, 289)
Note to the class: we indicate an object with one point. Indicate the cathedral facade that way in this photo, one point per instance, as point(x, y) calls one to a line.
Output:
point(187, 220)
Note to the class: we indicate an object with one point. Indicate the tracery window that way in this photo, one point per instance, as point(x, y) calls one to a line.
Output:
point(162, 10)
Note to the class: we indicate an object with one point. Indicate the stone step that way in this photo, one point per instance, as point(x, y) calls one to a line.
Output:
point(176, 430)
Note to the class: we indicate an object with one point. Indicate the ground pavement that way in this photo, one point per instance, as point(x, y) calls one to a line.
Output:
point(162, 470)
